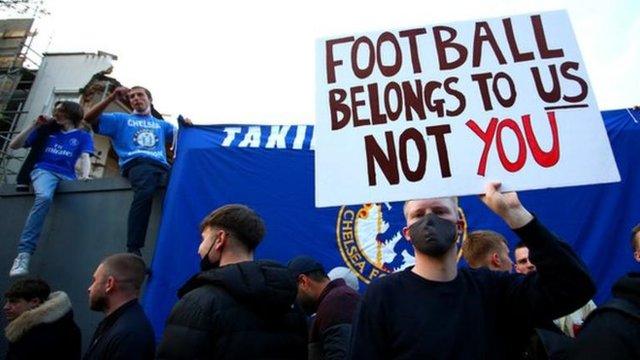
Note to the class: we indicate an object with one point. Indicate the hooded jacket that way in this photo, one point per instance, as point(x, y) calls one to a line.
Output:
point(238, 311)
point(45, 332)
point(612, 330)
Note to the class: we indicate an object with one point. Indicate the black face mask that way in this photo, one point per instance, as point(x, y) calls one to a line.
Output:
point(206, 264)
point(433, 235)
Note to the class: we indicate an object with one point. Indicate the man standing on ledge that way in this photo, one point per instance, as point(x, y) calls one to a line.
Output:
point(436, 311)
point(139, 140)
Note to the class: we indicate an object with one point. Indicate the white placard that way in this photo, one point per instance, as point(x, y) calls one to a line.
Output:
point(440, 110)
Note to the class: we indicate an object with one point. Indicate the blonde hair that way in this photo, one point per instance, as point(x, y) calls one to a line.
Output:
point(479, 244)
point(454, 199)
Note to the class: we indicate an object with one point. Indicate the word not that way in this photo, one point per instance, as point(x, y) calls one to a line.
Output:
point(389, 160)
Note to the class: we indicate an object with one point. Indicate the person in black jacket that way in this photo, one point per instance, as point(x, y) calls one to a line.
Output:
point(41, 323)
point(436, 311)
point(612, 331)
point(125, 332)
point(236, 307)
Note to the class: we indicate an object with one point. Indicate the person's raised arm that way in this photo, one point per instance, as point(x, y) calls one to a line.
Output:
point(91, 116)
point(561, 282)
point(18, 141)
point(506, 205)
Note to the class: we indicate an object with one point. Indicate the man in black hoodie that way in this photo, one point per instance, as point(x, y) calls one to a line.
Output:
point(41, 322)
point(612, 331)
point(236, 307)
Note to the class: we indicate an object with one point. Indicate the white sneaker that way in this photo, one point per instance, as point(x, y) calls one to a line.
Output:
point(20, 265)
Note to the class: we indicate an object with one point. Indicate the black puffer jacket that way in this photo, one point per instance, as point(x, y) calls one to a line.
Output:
point(238, 311)
point(612, 331)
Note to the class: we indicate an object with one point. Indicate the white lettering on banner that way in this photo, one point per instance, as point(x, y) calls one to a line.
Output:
point(277, 138)
point(312, 144)
point(231, 134)
point(143, 123)
point(251, 138)
point(440, 110)
point(301, 131)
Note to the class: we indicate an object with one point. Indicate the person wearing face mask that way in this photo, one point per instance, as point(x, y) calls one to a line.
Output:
point(434, 310)
point(235, 307)
point(139, 141)
point(334, 304)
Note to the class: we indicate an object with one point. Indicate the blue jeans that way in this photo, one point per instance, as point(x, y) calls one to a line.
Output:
point(44, 185)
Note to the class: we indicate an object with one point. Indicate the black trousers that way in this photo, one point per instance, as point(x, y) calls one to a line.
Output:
point(145, 177)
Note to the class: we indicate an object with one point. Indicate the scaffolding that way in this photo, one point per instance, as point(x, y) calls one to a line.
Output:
point(18, 67)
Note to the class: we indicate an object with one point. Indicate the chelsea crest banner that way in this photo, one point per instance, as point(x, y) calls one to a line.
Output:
point(271, 169)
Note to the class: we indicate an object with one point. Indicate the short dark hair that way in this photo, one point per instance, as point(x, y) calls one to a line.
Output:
point(454, 200)
point(479, 244)
point(520, 245)
point(145, 90)
point(240, 221)
point(634, 242)
point(128, 269)
point(72, 110)
point(29, 289)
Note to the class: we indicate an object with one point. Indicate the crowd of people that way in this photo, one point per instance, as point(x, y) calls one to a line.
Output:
point(237, 307)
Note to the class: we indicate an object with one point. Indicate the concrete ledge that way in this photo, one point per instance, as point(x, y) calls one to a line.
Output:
point(87, 221)
point(97, 185)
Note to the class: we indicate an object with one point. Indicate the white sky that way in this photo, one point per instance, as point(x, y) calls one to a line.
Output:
point(254, 61)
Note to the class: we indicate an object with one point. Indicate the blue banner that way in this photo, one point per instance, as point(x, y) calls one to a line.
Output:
point(271, 169)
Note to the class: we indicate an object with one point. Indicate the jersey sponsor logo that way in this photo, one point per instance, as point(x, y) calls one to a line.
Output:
point(58, 150)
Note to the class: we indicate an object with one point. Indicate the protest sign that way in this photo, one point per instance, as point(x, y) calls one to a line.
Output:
point(440, 110)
